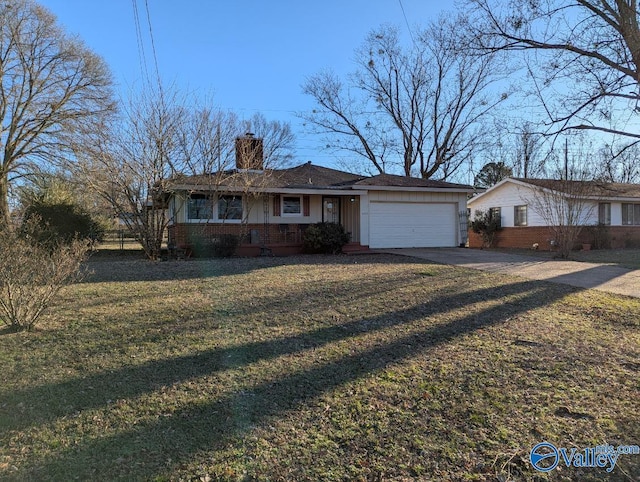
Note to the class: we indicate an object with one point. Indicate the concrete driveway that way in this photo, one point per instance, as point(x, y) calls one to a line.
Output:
point(603, 277)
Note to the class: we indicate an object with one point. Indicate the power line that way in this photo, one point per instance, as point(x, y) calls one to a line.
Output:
point(140, 41)
point(407, 22)
point(153, 44)
point(142, 57)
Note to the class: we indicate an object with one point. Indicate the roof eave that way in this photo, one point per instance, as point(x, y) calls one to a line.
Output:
point(417, 189)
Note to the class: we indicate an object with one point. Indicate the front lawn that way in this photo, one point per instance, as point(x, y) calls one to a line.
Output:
point(369, 367)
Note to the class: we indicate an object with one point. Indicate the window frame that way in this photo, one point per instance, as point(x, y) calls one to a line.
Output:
point(525, 215)
point(630, 214)
point(207, 204)
point(496, 213)
point(604, 214)
point(237, 197)
point(292, 196)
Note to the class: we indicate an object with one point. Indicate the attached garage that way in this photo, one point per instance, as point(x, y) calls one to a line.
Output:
point(412, 224)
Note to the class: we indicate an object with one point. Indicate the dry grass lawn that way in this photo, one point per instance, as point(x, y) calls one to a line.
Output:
point(366, 367)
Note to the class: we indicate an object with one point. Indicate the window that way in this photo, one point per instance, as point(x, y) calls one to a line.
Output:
point(199, 207)
point(604, 213)
point(291, 205)
point(230, 207)
point(496, 213)
point(630, 214)
point(520, 216)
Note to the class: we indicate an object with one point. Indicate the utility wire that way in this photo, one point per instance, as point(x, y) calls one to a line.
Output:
point(142, 57)
point(404, 14)
point(153, 46)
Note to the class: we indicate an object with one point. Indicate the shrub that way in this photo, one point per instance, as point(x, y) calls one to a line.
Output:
point(221, 246)
point(600, 236)
point(487, 226)
point(326, 238)
point(62, 223)
point(225, 245)
point(32, 273)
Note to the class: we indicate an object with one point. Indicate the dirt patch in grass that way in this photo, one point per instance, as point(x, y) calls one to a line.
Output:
point(317, 368)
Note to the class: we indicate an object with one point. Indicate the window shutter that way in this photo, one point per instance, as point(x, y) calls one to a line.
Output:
point(276, 205)
point(305, 206)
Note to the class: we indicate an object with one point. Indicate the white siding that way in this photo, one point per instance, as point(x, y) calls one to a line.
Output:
point(506, 197)
point(509, 195)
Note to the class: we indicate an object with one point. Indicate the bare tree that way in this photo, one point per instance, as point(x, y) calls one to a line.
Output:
point(134, 158)
point(156, 142)
point(529, 158)
point(566, 204)
point(51, 89)
point(619, 163)
point(417, 108)
point(205, 139)
point(277, 140)
point(585, 69)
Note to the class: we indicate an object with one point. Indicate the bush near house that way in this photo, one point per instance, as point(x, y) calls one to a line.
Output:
point(327, 238)
point(487, 226)
point(220, 246)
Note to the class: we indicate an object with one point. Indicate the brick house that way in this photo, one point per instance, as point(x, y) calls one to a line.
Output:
point(613, 207)
point(271, 208)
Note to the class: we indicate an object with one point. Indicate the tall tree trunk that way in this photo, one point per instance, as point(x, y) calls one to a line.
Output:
point(4, 200)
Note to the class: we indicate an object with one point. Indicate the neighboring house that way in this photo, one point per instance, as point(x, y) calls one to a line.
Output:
point(613, 207)
point(272, 208)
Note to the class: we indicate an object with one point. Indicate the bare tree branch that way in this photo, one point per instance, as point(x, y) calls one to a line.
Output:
point(586, 73)
point(52, 88)
point(417, 108)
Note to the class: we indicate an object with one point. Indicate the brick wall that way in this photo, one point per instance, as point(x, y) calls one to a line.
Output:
point(185, 235)
point(525, 237)
point(624, 236)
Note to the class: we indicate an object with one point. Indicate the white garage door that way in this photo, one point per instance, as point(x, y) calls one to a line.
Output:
point(412, 225)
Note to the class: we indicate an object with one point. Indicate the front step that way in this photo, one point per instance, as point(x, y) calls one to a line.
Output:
point(355, 248)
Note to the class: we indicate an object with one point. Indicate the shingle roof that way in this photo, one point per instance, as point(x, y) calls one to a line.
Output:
point(391, 180)
point(306, 176)
point(587, 188)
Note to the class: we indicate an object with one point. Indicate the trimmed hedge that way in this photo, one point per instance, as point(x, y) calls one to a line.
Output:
point(326, 238)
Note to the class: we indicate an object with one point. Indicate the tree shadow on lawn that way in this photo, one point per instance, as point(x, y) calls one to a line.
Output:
point(180, 317)
point(47, 401)
point(597, 276)
point(364, 287)
point(145, 270)
point(143, 450)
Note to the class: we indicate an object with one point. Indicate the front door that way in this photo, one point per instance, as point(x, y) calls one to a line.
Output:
point(331, 209)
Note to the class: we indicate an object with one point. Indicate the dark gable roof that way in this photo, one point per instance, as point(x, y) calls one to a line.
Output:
point(587, 188)
point(391, 180)
point(305, 176)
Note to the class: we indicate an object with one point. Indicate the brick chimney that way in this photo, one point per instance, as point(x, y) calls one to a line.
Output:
point(249, 152)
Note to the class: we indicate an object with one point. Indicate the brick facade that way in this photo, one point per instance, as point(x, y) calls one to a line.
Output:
point(183, 235)
point(526, 236)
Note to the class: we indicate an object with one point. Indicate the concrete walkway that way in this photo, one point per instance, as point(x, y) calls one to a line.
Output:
point(603, 277)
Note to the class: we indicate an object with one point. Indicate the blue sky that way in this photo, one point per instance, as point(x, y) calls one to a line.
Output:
point(249, 56)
